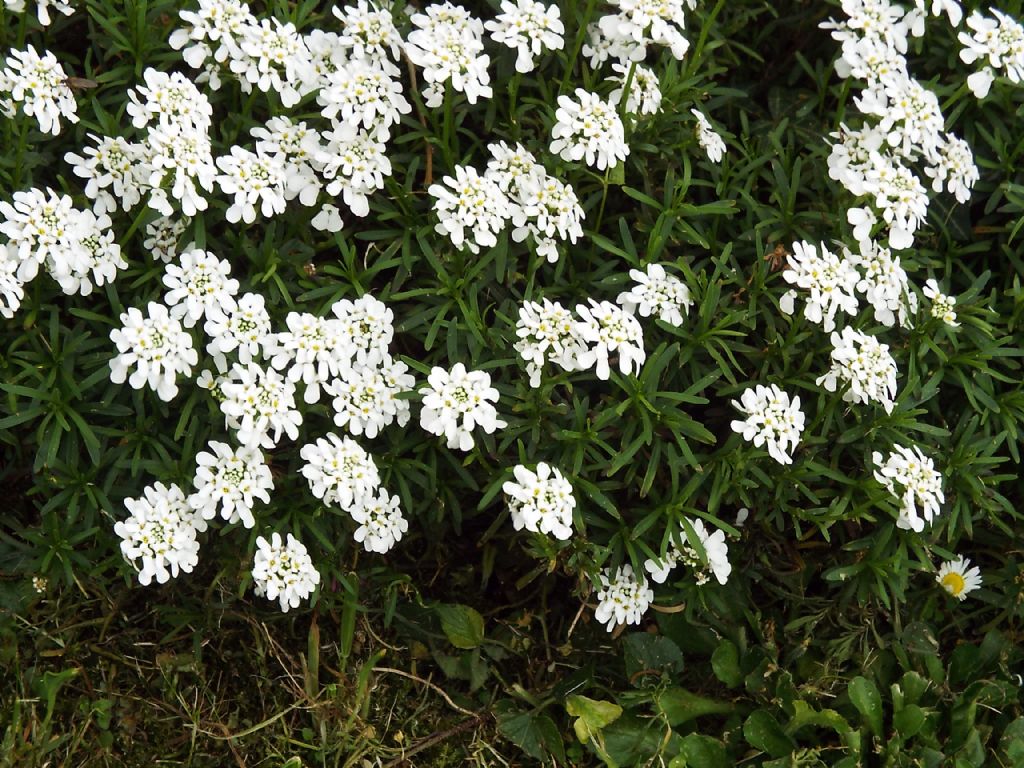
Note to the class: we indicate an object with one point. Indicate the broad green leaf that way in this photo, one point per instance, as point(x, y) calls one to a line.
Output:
point(462, 625)
point(591, 715)
point(865, 697)
point(725, 663)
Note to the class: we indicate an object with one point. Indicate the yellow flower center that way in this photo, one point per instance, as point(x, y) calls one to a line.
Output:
point(953, 583)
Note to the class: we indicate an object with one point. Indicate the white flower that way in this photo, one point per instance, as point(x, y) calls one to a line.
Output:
point(589, 129)
point(40, 227)
point(93, 258)
point(607, 328)
point(457, 402)
point(199, 287)
point(214, 30)
point(243, 329)
point(366, 395)
point(229, 481)
point(657, 292)
point(957, 579)
point(253, 179)
point(186, 158)
point(369, 33)
point(38, 84)
point(853, 155)
point(830, 282)
point(950, 7)
point(599, 48)
point(470, 201)
point(367, 325)
point(622, 599)
point(864, 364)
point(296, 146)
point(448, 44)
point(772, 420)
point(259, 404)
point(312, 349)
point(162, 235)
point(283, 572)
point(328, 219)
point(171, 100)
point(66, 7)
point(550, 332)
point(551, 210)
point(530, 28)
point(909, 114)
point(355, 163)
point(998, 44)
point(161, 531)
point(644, 89)
point(156, 347)
point(381, 523)
point(884, 283)
point(910, 476)
point(11, 288)
point(327, 54)
point(955, 168)
point(900, 196)
point(541, 501)
point(364, 96)
point(112, 171)
point(716, 553)
point(650, 21)
point(275, 58)
point(942, 305)
point(339, 471)
point(708, 138)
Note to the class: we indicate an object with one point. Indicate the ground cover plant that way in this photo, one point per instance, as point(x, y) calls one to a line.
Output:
point(586, 383)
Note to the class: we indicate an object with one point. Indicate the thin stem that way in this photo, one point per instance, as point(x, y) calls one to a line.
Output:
point(577, 45)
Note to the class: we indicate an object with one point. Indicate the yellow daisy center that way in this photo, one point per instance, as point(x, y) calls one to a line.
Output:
point(954, 583)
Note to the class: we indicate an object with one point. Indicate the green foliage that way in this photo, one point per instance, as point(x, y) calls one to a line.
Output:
point(830, 645)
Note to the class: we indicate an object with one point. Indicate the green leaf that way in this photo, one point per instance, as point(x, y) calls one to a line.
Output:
point(591, 715)
point(534, 733)
point(725, 663)
point(865, 697)
point(462, 625)
point(697, 751)
point(763, 732)
point(680, 706)
point(908, 721)
point(644, 652)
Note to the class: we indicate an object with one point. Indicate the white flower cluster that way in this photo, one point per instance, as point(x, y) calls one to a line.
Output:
point(863, 364)
point(773, 420)
point(448, 45)
point(716, 562)
point(640, 23)
point(657, 293)
point(76, 247)
point(548, 332)
point(588, 128)
point(458, 401)
point(644, 89)
point(943, 306)
point(904, 127)
point(832, 281)
point(155, 348)
point(161, 533)
point(283, 571)
point(910, 476)
point(998, 44)
point(66, 7)
point(541, 501)
point(529, 27)
point(38, 84)
point(228, 482)
point(708, 138)
point(622, 599)
point(514, 189)
point(341, 473)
